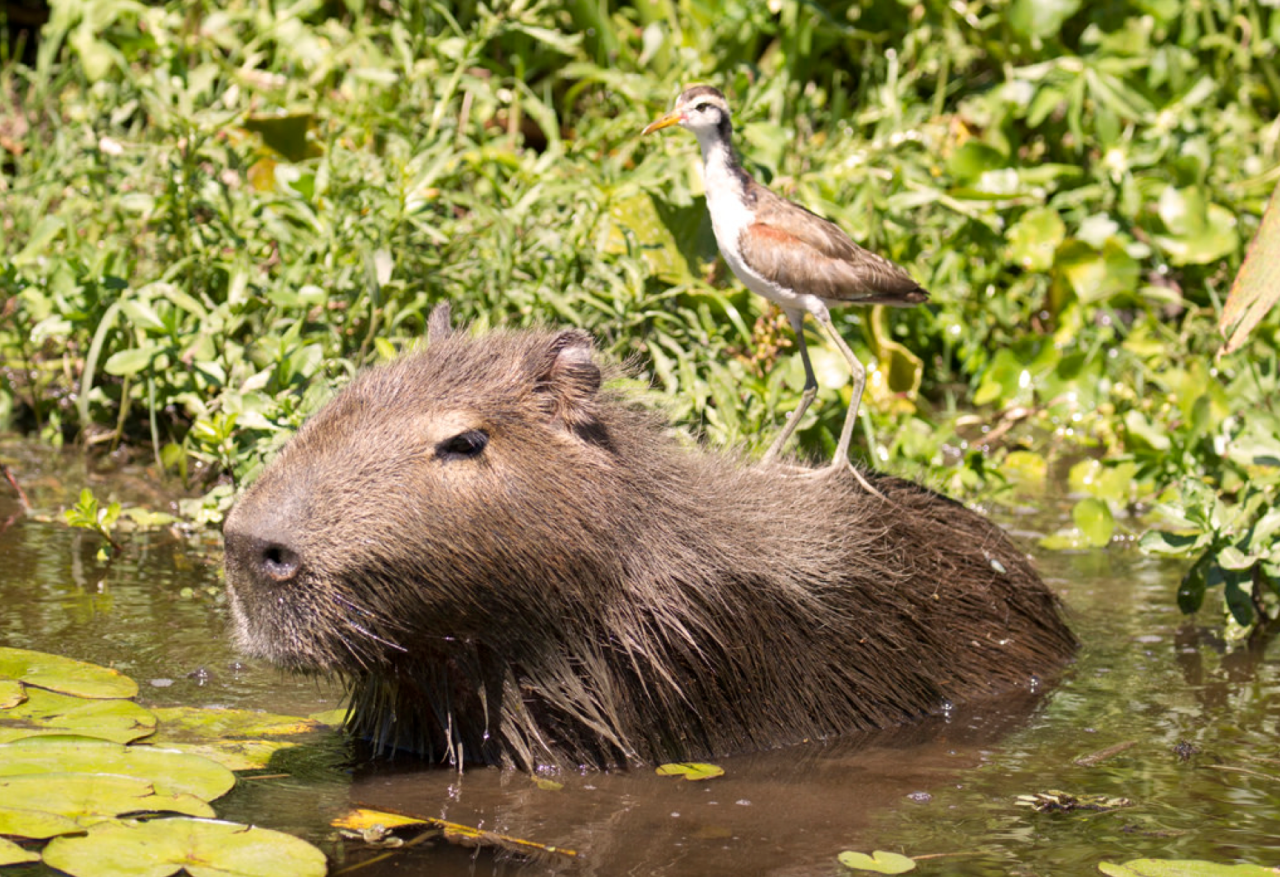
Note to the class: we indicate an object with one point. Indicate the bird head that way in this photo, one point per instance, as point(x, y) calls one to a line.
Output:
point(701, 109)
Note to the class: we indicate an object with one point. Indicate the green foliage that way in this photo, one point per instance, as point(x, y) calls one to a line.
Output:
point(87, 515)
point(217, 212)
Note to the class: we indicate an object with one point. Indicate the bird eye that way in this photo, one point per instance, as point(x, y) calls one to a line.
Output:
point(465, 444)
point(703, 107)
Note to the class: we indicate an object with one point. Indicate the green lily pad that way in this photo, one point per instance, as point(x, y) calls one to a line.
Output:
point(89, 798)
point(689, 770)
point(45, 712)
point(233, 754)
point(204, 847)
point(879, 862)
point(65, 675)
point(12, 854)
point(334, 718)
point(12, 693)
point(171, 772)
point(1182, 868)
point(36, 824)
point(186, 722)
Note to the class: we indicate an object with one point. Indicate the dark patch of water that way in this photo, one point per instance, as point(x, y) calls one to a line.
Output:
point(1203, 770)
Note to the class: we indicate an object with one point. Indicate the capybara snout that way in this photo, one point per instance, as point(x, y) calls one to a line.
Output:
point(513, 563)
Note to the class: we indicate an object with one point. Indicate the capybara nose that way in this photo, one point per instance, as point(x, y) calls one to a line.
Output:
point(270, 561)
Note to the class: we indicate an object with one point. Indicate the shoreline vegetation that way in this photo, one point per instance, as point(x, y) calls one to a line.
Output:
point(214, 213)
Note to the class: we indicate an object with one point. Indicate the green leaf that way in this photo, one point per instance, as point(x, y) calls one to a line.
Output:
point(204, 847)
point(1093, 517)
point(1182, 868)
point(64, 674)
point(879, 862)
point(12, 854)
point(1034, 238)
point(132, 361)
point(89, 798)
point(45, 713)
point(1194, 584)
point(170, 771)
point(689, 770)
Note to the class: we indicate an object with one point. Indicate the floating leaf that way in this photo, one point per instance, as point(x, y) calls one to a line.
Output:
point(36, 824)
point(231, 754)
point(197, 722)
point(45, 712)
point(57, 673)
point(376, 822)
point(1182, 868)
point(89, 798)
point(12, 854)
point(12, 693)
point(204, 847)
point(363, 818)
point(171, 772)
point(879, 862)
point(690, 770)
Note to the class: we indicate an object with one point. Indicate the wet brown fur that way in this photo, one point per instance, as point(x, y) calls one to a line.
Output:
point(589, 590)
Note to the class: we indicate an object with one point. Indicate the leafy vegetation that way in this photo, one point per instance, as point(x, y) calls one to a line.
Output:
point(216, 211)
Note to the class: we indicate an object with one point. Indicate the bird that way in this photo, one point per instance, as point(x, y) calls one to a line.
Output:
point(790, 255)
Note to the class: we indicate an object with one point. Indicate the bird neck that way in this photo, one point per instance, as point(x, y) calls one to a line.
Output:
point(720, 167)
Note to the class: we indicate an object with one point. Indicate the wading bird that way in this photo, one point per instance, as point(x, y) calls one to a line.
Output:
point(786, 253)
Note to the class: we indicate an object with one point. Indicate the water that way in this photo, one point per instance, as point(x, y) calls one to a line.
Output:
point(943, 790)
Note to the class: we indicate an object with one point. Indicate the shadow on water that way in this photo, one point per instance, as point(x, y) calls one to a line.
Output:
point(1190, 728)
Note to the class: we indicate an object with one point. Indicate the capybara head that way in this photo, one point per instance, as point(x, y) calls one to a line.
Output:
point(513, 563)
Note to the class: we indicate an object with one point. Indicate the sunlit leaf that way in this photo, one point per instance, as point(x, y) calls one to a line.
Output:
point(1034, 238)
point(64, 674)
point(1182, 868)
point(12, 854)
point(205, 848)
point(45, 713)
point(169, 771)
point(12, 693)
point(1093, 517)
point(879, 862)
point(689, 770)
point(1257, 285)
point(91, 797)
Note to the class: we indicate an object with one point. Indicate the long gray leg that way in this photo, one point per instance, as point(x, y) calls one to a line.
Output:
point(810, 388)
point(841, 458)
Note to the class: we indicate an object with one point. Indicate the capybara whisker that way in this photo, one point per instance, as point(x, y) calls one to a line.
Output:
point(511, 562)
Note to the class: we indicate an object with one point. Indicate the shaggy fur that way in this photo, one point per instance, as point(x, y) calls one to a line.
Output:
point(584, 589)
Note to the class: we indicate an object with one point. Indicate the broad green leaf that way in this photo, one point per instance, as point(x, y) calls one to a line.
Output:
point(1093, 517)
point(1040, 19)
point(188, 722)
point(1025, 468)
point(12, 854)
point(170, 771)
point(35, 824)
point(204, 847)
point(879, 862)
point(45, 713)
point(91, 797)
point(1034, 238)
point(230, 754)
point(689, 770)
point(1199, 232)
point(12, 693)
point(285, 133)
point(64, 674)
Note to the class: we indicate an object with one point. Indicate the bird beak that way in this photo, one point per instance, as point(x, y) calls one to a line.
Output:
point(675, 117)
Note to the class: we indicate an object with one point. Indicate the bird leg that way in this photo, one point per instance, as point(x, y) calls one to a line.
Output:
point(855, 401)
point(810, 389)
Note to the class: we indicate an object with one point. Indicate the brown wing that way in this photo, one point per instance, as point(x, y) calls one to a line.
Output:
point(804, 252)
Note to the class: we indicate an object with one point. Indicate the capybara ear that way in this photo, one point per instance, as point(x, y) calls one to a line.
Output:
point(439, 324)
point(570, 379)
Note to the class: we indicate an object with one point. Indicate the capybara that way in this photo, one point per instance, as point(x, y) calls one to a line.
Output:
point(513, 563)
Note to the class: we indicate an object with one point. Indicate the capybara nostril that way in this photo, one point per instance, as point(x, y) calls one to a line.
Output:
point(279, 563)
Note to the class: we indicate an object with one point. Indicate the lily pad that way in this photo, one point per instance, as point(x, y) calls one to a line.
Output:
point(879, 862)
point(12, 693)
point(204, 847)
point(171, 772)
point(89, 798)
point(375, 824)
point(12, 854)
point(68, 676)
point(1182, 868)
point(690, 770)
point(45, 712)
point(186, 722)
point(1093, 517)
point(36, 824)
point(232, 754)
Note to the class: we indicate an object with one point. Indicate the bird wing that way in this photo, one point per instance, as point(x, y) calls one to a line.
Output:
point(802, 251)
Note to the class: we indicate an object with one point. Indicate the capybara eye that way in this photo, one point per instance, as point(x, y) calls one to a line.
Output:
point(464, 444)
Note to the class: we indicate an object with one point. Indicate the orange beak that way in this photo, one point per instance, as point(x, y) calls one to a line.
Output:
point(675, 117)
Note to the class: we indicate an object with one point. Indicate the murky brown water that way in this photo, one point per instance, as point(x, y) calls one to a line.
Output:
point(943, 788)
